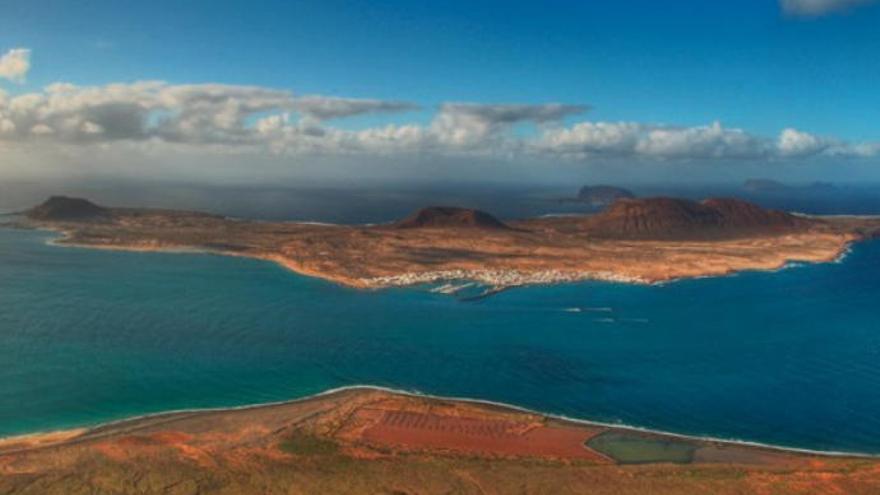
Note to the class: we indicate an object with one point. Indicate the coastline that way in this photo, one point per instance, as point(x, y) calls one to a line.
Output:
point(841, 255)
point(132, 423)
point(495, 279)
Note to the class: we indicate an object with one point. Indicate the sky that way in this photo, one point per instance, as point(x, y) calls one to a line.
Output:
point(552, 91)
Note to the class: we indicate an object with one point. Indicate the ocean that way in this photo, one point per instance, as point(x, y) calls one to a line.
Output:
point(790, 358)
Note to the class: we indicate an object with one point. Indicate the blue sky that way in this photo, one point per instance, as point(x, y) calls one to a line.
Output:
point(755, 65)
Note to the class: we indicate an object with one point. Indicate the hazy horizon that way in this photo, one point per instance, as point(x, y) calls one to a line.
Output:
point(382, 201)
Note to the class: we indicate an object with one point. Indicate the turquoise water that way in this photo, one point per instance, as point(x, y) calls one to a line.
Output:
point(789, 358)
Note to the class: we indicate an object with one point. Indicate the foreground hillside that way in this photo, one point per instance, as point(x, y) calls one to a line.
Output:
point(635, 240)
point(369, 441)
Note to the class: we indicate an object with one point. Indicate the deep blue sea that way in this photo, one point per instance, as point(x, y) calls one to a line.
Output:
point(789, 358)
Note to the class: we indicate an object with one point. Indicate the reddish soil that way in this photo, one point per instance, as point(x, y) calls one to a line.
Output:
point(425, 431)
point(367, 441)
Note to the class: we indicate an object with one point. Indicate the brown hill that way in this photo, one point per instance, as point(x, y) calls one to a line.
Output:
point(63, 208)
point(450, 216)
point(666, 218)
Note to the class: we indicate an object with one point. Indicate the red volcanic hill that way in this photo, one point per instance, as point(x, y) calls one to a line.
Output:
point(63, 208)
point(664, 218)
point(449, 216)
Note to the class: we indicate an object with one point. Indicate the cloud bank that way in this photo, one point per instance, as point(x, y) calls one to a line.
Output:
point(226, 118)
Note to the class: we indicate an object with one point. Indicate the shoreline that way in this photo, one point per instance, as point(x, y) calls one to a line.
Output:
point(510, 278)
point(839, 257)
point(94, 431)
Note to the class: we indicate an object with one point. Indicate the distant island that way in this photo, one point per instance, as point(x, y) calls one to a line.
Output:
point(635, 240)
point(772, 186)
point(602, 195)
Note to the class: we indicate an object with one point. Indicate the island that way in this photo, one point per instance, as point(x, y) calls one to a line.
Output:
point(646, 240)
point(601, 196)
point(773, 186)
point(371, 440)
point(368, 440)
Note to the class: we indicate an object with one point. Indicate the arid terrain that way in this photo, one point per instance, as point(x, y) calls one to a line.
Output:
point(372, 441)
point(366, 440)
point(635, 240)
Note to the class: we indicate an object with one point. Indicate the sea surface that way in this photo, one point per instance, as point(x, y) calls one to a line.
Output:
point(789, 358)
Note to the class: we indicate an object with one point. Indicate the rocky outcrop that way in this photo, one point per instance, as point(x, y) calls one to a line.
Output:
point(448, 217)
point(66, 209)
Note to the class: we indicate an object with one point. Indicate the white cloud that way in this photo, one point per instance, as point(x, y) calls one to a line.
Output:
point(198, 113)
point(470, 124)
point(212, 113)
point(593, 138)
point(42, 129)
point(813, 8)
point(510, 113)
point(861, 150)
point(668, 142)
point(228, 119)
point(712, 141)
point(326, 107)
point(626, 139)
point(796, 143)
point(15, 64)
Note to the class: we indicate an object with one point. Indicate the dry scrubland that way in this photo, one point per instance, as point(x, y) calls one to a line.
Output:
point(369, 441)
point(650, 240)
